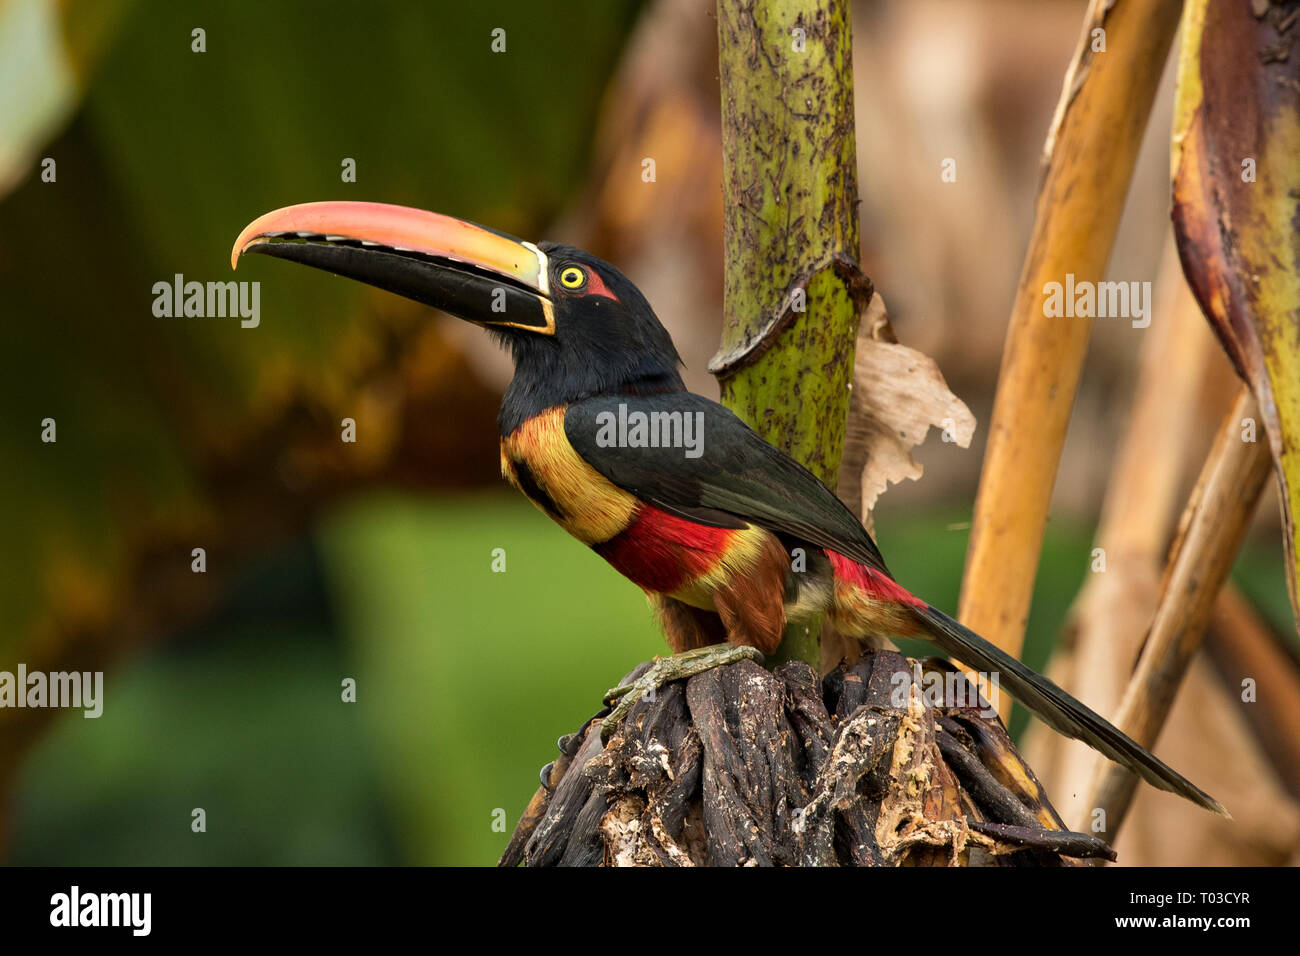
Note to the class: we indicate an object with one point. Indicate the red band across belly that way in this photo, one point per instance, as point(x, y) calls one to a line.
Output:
point(662, 552)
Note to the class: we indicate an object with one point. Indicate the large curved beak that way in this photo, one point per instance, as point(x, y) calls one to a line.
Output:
point(476, 273)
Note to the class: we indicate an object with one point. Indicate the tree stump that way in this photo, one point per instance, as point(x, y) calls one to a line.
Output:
point(740, 766)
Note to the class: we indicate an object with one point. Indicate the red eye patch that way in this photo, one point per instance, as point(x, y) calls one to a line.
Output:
point(596, 286)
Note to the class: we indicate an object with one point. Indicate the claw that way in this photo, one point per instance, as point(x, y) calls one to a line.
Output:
point(665, 670)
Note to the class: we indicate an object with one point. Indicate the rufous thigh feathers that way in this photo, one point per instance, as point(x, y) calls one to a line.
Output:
point(752, 606)
point(687, 627)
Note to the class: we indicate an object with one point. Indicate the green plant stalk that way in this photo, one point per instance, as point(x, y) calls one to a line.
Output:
point(791, 228)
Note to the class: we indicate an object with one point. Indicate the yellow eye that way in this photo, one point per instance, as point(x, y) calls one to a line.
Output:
point(571, 277)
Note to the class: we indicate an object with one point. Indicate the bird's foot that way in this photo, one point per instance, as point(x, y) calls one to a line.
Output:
point(665, 670)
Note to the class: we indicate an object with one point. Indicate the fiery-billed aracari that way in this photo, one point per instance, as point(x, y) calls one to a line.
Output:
point(706, 531)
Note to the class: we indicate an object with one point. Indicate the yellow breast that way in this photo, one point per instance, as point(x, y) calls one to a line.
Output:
point(538, 460)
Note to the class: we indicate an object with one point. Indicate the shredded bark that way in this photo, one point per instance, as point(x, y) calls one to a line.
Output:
point(740, 766)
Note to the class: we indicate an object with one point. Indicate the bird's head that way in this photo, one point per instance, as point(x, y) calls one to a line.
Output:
point(575, 325)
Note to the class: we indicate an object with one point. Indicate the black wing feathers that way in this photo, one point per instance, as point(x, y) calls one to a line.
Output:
point(736, 473)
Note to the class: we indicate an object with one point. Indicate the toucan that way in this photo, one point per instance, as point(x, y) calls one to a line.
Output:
point(674, 490)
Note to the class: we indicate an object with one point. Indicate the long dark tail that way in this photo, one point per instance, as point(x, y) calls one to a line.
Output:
point(1058, 709)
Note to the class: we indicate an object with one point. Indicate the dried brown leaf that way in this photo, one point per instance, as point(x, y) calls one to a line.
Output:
point(899, 394)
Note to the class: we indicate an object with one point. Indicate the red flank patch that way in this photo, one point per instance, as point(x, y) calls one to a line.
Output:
point(879, 587)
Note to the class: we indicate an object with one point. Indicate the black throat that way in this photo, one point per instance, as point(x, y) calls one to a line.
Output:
point(548, 374)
